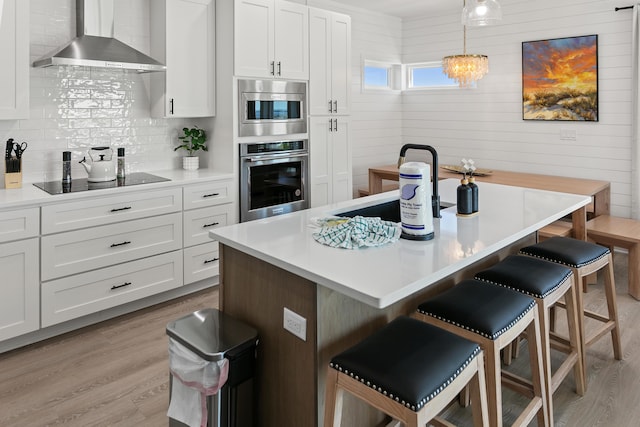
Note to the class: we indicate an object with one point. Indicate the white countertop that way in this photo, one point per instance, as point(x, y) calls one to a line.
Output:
point(30, 195)
point(381, 276)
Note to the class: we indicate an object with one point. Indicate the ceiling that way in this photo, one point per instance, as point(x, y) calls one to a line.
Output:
point(405, 8)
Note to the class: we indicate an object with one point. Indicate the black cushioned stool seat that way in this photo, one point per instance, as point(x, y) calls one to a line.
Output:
point(546, 282)
point(585, 258)
point(493, 316)
point(410, 366)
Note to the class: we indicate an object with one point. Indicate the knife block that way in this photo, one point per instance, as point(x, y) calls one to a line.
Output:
point(13, 180)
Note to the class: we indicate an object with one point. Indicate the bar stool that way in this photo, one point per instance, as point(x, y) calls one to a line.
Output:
point(585, 258)
point(546, 283)
point(410, 371)
point(493, 316)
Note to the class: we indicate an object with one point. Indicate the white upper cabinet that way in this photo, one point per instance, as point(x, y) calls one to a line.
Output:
point(330, 64)
point(271, 39)
point(183, 38)
point(14, 51)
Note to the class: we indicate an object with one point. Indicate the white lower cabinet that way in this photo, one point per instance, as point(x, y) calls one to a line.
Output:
point(201, 262)
point(198, 223)
point(206, 206)
point(81, 250)
point(19, 287)
point(89, 292)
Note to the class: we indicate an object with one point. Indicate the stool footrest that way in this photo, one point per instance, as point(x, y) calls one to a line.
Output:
point(517, 383)
point(599, 333)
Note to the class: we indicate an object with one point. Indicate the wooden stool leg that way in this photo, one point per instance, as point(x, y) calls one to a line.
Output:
point(537, 374)
point(610, 291)
point(634, 271)
point(577, 289)
point(333, 401)
point(545, 346)
point(574, 338)
point(493, 374)
point(478, 389)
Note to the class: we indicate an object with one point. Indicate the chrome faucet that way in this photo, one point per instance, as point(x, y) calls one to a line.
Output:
point(435, 197)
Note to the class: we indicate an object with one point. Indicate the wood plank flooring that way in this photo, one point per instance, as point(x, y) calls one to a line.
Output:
point(116, 373)
point(111, 374)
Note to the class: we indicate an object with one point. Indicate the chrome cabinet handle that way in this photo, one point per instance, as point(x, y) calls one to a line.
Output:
point(210, 225)
point(330, 125)
point(120, 286)
point(335, 106)
point(279, 68)
point(171, 106)
point(273, 68)
point(115, 245)
point(126, 208)
point(330, 108)
point(335, 125)
point(204, 196)
point(207, 261)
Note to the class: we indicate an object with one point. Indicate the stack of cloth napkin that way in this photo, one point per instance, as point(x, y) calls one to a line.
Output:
point(353, 233)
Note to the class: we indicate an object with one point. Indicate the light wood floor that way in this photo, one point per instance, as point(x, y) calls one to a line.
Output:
point(116, 373)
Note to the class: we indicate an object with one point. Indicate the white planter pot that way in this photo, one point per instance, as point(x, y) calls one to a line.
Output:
point(190, 163)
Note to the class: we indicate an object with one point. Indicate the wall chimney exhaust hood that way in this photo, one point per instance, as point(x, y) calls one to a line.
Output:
point(95, 45)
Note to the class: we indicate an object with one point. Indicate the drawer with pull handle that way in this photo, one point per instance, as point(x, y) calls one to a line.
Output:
point(76, 251)
point(19, 224)
point(86, 293)
point(201, 262)
point(107, 210)
point(198, 223)
point(209, 194)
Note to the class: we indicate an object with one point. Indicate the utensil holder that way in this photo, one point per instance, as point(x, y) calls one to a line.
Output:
point(13, 180)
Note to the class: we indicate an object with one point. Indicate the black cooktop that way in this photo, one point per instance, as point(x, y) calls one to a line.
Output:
point(77, 185)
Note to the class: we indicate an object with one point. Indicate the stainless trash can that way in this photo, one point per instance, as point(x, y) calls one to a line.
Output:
point(212, 335)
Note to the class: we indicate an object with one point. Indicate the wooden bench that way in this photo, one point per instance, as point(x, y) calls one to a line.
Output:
point(622, 232)
point(558, 228)
point(386, 187)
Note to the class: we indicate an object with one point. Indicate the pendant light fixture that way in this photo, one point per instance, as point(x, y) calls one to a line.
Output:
point(481, 12)
point(467, 69)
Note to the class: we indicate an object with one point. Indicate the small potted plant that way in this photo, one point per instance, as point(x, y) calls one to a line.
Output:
point(193, 140)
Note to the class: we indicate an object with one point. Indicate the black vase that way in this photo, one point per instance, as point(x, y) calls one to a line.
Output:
point(465, 203)
point(474, 194)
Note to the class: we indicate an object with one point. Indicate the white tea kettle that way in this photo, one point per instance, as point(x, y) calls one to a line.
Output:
point(101, 168)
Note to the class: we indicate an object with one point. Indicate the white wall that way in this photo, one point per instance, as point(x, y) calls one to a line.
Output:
point(73, 109)
point(486, 123)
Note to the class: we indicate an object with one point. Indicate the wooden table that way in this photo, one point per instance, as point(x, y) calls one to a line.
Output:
point(600, 191)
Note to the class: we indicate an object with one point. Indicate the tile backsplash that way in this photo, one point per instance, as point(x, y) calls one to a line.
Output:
point(74, 108)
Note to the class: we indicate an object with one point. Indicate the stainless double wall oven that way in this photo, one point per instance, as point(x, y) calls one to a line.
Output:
point(273, 178)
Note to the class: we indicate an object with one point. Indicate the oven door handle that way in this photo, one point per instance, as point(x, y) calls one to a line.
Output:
point(275, 157)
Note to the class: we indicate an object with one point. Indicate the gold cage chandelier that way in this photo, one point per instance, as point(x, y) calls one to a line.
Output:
point(467, 69)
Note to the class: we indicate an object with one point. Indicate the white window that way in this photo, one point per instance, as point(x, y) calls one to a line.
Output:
point(428, 75)
point(380, 75)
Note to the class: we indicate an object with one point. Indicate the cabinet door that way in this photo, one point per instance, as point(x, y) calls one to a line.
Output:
point(190, 64)
point(320, 62)
point(19, 292)
point(254, 38)
point(320, 160)
point(341, 62)
point(291, 40)
point(341, 161)
point(14, 51)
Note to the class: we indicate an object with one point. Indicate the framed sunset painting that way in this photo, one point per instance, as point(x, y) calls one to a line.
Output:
point(560, 79)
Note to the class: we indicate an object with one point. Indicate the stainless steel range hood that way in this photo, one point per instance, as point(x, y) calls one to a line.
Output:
point(95, 45)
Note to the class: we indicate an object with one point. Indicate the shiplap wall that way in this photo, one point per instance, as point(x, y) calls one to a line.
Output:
point(486, 123)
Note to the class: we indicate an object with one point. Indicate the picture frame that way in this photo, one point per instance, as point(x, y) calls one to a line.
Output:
point(560, 79)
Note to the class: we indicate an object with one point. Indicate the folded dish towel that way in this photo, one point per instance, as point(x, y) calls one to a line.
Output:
point(357, 232)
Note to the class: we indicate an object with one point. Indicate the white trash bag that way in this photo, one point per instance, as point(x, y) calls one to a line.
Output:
point(193, 380)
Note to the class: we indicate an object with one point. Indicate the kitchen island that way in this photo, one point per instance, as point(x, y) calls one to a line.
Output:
point(344, 295)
